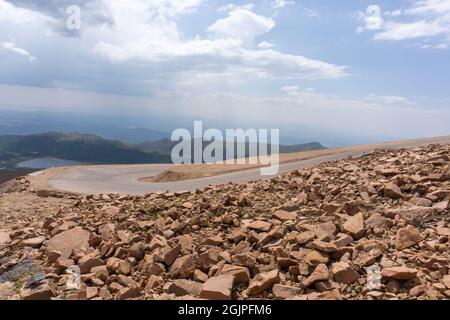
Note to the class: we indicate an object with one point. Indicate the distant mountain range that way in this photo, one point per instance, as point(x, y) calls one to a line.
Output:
point(88, 148)
point(84, 148)
point(165, 146)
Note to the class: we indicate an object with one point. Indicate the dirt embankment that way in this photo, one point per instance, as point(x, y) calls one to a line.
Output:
point(197, 171)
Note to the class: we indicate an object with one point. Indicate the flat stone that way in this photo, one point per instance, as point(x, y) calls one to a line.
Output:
point(213, 241)
point(261, 226)
point(66, 242)
point(34, 242)
point(41, 292)
point(399, 273)
point(218, 288)
point(285, 292)
point(182, 287)
point(284, 215)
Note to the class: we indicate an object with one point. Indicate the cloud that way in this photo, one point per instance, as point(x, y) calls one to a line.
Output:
point(395, 13)
point(17, 15)
point(424, 19)
point(136, 36)
point(265, 45)
point(403, 31)
point(242, 24)
point(10, 46)
point(231, 7)
point(294, 108)
point(389, 100)
point(278, 4)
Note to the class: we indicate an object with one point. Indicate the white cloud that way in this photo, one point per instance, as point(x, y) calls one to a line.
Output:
point(294, 109)
point(424, 19)
point(138, 36)
point(429, 7)
point(278, 4)
point(290, 89)
point(395, 13)
point(231, 7)
point(403, 31)
point(265, 45)
point(242, 24)
point(11, 46)
point(398, 100)
point(11, 13)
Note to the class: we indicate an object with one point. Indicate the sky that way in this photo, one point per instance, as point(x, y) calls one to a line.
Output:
point(375, 68)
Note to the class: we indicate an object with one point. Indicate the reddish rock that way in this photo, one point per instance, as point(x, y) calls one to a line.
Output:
point(40, 292)
point(284, 215)
point(34, 242)
point(285, 292)
point(68, 241)
point(407, 237)
point(263, 282)
point(182, 287)
point(261, 226)
point(355, 226)
point(399, 273)
point(241, 274)
point(344, 273)
point(218, 288)
point(392, 191)
point(90, 261)
point(184, 266)
point(321, 273)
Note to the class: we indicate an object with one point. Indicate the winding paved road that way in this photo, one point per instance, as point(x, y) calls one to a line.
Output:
point(123, 179)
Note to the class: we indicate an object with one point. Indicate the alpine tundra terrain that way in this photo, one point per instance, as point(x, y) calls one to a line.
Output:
point(369, 227)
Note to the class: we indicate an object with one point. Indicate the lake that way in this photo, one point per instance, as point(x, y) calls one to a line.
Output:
point(45, 163)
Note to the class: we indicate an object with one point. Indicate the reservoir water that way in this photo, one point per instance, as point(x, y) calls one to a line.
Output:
point(45, 163)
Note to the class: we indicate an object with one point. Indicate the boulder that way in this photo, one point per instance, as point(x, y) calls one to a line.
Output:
point(68, 241)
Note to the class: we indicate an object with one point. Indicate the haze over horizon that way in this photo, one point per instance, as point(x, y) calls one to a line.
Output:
point(339, 73)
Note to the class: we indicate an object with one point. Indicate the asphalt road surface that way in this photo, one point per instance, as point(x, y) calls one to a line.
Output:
point(123, 179)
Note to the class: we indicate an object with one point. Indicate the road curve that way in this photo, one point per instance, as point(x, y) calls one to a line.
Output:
point(123, 179)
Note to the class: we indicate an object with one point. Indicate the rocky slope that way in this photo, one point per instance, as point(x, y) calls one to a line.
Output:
point(374, 227)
